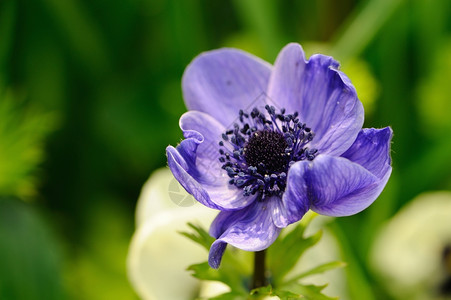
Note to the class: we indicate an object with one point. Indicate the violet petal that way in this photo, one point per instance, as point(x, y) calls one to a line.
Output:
point(295, 199)
point(204, 128)
point(281, 216)
point(322, 95)
point(337, 186)
point(195, 164)
point(223, 81)
point(250, 229)
point(371, 150)
point(184, 171)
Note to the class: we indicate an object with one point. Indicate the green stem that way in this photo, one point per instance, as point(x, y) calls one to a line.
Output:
point(259, 278)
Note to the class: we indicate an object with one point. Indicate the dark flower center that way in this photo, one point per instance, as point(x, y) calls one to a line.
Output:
point(258, 153)
point(267, 148)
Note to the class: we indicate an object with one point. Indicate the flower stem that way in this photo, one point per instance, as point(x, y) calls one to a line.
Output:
point(259, 279)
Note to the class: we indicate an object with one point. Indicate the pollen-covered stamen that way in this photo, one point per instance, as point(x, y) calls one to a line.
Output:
point(258, 153)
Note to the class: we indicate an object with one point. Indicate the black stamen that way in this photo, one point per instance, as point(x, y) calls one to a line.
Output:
point(257, 153)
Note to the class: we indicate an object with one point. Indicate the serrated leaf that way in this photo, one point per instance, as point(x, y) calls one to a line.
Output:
point(228, 274)
point(287, 250)
point(230, 296)
point(317, 270)
point(199, 236)
point(286, 295)
point(235, 268)
point(269, 291)
point(204, 272)
point(264, 290)
point(311, 292)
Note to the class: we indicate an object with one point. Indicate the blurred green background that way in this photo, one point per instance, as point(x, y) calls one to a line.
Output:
point(90, 97)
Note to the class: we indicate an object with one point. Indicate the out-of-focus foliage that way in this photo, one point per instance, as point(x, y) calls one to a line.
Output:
point(90, 96)
point(364, 82)
point(97, 271)
point(416, 264)
point(434, 101)
point(31, 258)
point(22, 132)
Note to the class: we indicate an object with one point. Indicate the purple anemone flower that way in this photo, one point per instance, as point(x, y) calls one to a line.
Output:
point(264, 144)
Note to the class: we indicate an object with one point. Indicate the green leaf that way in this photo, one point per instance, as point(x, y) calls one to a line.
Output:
point(286, 295)
point(264, 290)
point(204, 272)
point(200, 236)
point(311, 292)
point(269, 291)
point(317, 270)
point(287, 250)
point(228, 274)
point(235, 269)
point(230, 296)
